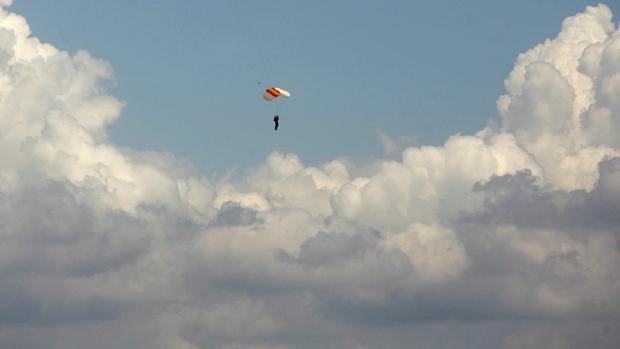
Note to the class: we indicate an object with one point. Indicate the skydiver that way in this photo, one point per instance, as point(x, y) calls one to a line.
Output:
point(276, 118)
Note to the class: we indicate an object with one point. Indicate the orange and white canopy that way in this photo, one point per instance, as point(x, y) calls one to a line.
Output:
point(275, 92)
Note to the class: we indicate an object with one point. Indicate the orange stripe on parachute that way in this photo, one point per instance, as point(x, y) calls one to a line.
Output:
point(272, 91)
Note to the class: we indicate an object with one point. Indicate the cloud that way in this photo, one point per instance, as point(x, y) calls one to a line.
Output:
point(393, 146)
point(494, 239)
point(556, 102)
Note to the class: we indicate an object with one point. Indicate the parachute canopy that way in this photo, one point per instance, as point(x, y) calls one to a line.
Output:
point(275, 92)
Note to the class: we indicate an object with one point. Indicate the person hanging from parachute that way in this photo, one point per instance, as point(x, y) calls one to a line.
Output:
point(275, 120)
point(270, 95)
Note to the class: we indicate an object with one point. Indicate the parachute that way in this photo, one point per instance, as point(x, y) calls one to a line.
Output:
point(275, 92)
point(270, 95)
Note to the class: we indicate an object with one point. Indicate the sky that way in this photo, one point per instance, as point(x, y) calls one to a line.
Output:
point(118, 231)
point(415, 71)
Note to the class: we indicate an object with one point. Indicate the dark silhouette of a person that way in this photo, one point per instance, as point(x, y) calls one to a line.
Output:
point(275, 120)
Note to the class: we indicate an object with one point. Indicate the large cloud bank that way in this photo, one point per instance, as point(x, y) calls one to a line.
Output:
point(508, 238)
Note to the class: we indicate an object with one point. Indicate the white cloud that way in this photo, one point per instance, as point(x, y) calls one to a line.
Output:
point(556, 102)
point(506, 229)
point(434, 252)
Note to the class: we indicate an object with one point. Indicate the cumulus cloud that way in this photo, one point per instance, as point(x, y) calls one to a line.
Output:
point(557, 102)
point(494, 239)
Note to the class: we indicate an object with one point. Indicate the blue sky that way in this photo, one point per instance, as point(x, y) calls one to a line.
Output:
point(188, 70)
